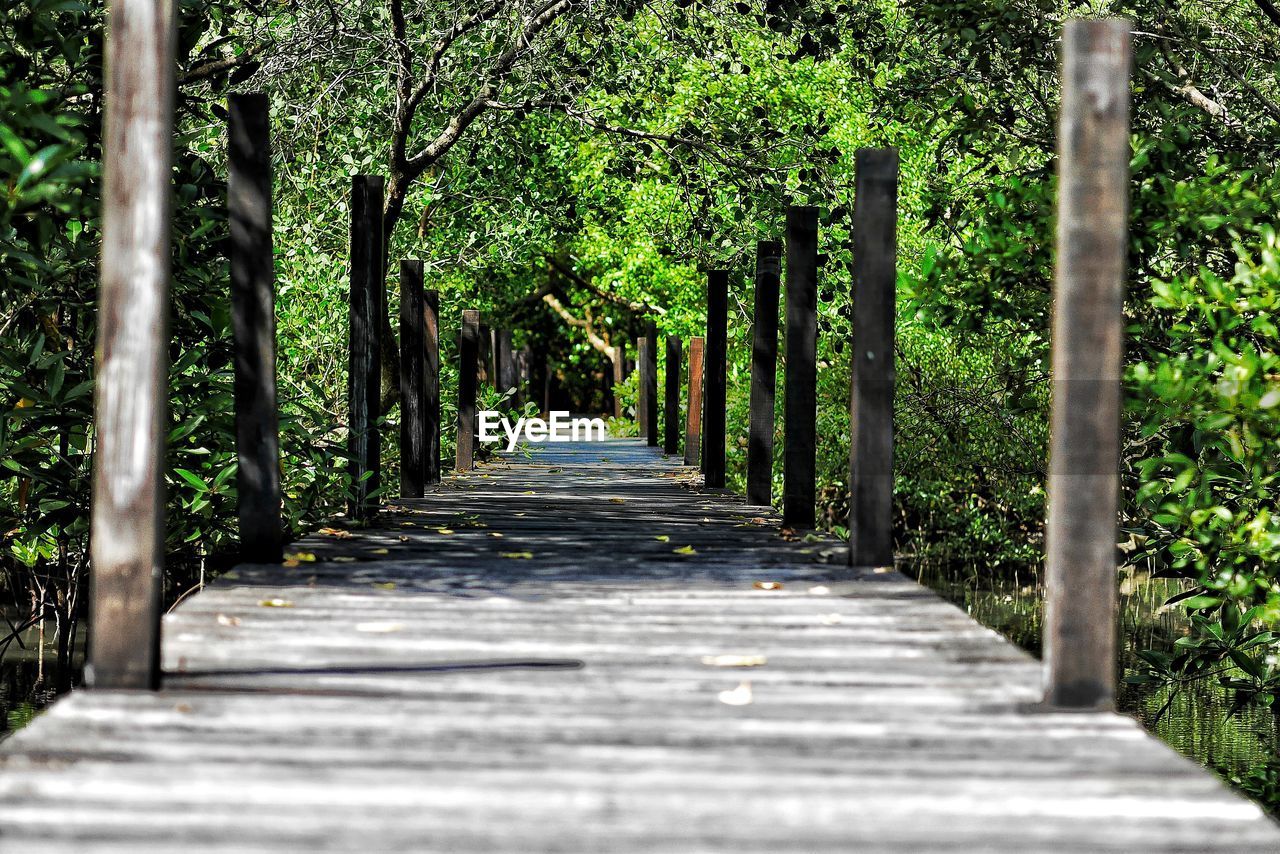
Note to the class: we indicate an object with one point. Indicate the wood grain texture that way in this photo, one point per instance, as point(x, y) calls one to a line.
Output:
point(764, 368)
point(416, 690)
point(253, 325)
point(875, 280)
point(800, 406)
point(1084, 449)
point(693, 410)
point(127, 515)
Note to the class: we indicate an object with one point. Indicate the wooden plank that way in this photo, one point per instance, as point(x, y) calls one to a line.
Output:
point(1084, 454)
point(875, 278)
point(649, 382)
point(693, 412)
point(253, 325)
point(671, 403)
point(713, 431)
point(468, 380)
point(799, 438)
point(127, 513)
point(413, 425)
point(431, 383)
point(364, 374)
point(764, 368)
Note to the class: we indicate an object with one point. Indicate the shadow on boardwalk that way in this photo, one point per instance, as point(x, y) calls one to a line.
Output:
point(548, 655)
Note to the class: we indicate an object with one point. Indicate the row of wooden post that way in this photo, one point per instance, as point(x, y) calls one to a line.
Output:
point(127, 514)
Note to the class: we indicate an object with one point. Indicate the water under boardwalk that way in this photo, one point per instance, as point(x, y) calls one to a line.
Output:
point(578, 652)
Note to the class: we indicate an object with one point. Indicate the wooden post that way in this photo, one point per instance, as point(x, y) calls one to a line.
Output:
point(799, 452)
point(649, 384)
point(875, 277)
point(764, 369)
point(642, 388)
point(504, 365)
point(413, 424)
point(431, 383)
point(364, 375)
point(693, 416)
point(1083, 489)
point(468, 358)
point(671, 405)
point(127, 524)
point(713, 429)
point(619, 376)
point(253, 323)
point(484, 358)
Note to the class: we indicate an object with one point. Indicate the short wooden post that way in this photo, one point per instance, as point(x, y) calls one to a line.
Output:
point(484, 358)
point(504, 364)
point(364, 375)
point(713, 419)
point(431, 383)
point(619, 376)
point(253, 324)
point(649, 384)
point(693, 416)
point(671, 404)
point(468, 368)
point(1084, 455)
point(413, 424)
point(127, 524)
point(875, 277)
point(764, 368)
point(799, 451)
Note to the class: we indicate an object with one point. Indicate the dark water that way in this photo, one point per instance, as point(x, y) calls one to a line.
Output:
point(1197, 721)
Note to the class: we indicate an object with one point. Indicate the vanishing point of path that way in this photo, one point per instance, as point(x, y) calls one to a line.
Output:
point(582, 653)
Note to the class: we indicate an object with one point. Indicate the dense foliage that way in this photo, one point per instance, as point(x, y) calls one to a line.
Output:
point(571, 168)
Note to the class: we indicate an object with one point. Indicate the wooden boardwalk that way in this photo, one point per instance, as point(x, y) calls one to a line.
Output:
point(546, 656)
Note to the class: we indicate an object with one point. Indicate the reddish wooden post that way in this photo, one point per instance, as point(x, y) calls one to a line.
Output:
point(713, 428)
point(468, 369)
point(431, 382)
point(364, 375)
point(799, 440)
point(764, 368)
point(671, 405)
point(693, 416)
point(875, 278)
point(1088, 330)
point(413, 426)
point(253, 323)
point(619, 376)
point(127, 524)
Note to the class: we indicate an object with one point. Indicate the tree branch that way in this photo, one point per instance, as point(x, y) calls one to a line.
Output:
point(595, 340)
point(567, 272)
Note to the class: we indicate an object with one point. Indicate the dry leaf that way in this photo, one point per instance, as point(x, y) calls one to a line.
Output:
point(820, 590)
point(767, 585)
point(495, 534)
point(444, 530)
point(685, 550)
point(734, 660)
point(335, 532)
point(224, 620)
point(517, 555)
point(276, 603)
point(617, 501)
point(663, 538)
point(740, 696)
point(384, 585)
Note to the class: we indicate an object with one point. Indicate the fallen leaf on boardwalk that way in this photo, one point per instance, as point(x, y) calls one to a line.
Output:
point(740, 696)
point(224, 620)
point(183, 708)
point(529, 492)
point(495, 534)
point(767, 585)
point(522, 514)
point(830, 619)
point(380, 551)
point(789, 534)
point(408, 524)
point(384, 585)
point(379, 627)
point(819, 590)
point(336, 532)
point(662, 538)
point(276, 603)
point(297, 558)
point(403, 539)
point(444, 530)
point(685, 550)
point(617, 501)
point(734, 660)
point(517, 555)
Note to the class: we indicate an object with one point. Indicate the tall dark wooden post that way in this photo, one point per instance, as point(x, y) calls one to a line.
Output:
point(693, 416)
point(642, 388)
point(468, 368)
point(649, 384)
point(1088, 328)
point(127, 524)
point(875, 248)
point(619, 376)
point(671, 404)
point(799, 458)
point(413, 423)
point(253, 324)
point(431, 383)
point(764, 368)
point(713, 427)
point(364, 375)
